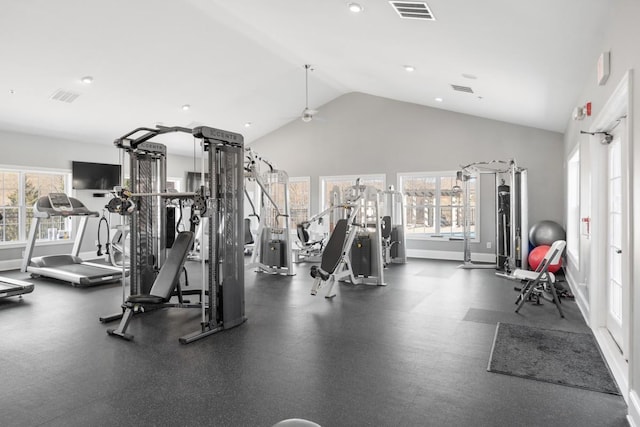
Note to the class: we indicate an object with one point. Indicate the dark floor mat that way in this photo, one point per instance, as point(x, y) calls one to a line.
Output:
point(559, 357)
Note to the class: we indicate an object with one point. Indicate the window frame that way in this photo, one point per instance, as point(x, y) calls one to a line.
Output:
point(437, 235)
point(573, 206)
point(23, 224)
point(176, 181)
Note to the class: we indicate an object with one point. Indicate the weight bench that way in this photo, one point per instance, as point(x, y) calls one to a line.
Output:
point(541, 280)
point(307, 249)
point(335, 253)
point(303, 236)
point(163, 287)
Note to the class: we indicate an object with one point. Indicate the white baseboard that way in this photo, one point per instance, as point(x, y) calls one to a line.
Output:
point(633, 417)
point(580, 297)
point(15, 264)
point(618, 366)
point(449, 255)
point(11, 264)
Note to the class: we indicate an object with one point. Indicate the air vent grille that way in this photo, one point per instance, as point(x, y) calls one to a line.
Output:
point(413, 10)
point(462, 88)
point(64, 96)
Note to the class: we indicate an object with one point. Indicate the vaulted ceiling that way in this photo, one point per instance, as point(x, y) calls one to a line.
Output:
point(242, 61)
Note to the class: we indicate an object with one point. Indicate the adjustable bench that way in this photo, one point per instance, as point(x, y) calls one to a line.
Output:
point(163, 287)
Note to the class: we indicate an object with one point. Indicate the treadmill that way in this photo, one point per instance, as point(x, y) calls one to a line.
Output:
point(70, 268)
point(12, 287)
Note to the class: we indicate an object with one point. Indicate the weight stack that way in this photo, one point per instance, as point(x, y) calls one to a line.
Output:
point(361, 256)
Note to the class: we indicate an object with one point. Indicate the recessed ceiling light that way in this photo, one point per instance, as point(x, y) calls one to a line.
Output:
point(355, 8)
point(469, 76)
point(409, 68)
point(12, 92)
point(438, 99)
point(87, 80)
point(186, 107)
point(248, 124)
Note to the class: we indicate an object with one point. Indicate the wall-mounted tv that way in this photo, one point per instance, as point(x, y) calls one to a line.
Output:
point(95, 176)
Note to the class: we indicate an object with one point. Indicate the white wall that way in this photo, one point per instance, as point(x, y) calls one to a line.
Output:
point(36, 151)
point(364, 134)
point(621, 35)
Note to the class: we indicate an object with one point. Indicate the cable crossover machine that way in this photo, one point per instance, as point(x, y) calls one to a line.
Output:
point(511, 213)
point(157, 255)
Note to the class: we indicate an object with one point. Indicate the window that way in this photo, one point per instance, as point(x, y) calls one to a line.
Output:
point(299, 200)
point(173, 184)
point(434, 205)
point(19, 190)
point(573, 206)
point(332, 187)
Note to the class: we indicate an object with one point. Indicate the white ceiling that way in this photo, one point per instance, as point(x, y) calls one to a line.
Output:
point(238, 61)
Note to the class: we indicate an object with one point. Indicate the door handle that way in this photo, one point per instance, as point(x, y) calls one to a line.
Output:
point(618, 251)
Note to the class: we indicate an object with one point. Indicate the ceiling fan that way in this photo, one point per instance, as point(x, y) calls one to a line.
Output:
point(307, 113)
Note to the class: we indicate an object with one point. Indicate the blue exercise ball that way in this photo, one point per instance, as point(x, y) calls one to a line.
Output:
point(545, 233)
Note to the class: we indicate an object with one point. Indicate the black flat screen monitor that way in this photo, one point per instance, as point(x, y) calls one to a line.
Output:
point(95, 176)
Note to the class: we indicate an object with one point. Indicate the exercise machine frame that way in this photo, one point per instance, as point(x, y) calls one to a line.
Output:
point(361, 205)
point(219, 201)
point(511, 212)
point(272, 252)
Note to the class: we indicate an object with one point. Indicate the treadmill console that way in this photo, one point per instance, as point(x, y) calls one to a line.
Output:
point(60, 202)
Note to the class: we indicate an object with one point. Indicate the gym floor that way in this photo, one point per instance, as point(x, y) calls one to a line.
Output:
point(413, 353)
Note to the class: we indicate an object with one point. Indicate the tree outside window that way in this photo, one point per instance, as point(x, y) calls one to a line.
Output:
point(19, 191)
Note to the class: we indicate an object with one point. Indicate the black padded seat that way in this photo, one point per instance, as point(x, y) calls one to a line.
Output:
point(146, 299)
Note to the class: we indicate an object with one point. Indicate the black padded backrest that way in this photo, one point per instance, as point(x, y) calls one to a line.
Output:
point(333, 250)
point(169, 274)
point(303, 234)
point(248, 237)
point(386, 227)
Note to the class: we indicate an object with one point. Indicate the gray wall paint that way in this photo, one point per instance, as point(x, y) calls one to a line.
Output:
point(41, 152)
point(364, 134)
point(621, 39)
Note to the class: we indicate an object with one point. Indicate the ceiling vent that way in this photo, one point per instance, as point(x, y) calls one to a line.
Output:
point(413, 10)
point(462, 88)
point(64, 96)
